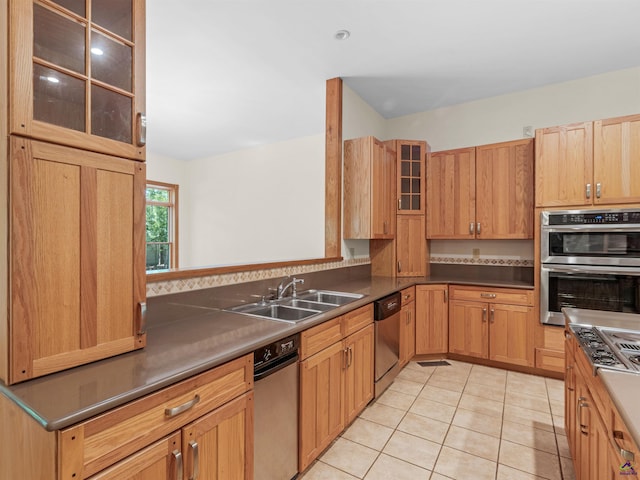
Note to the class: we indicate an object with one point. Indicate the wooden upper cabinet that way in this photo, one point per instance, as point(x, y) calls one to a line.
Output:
point(564, 165)
point(369, 189)
point(77, 74)
point(504, 190)
point(411, 246)
point(77, 271)
point(451, 194)
point(616, 160)
point(410, 161)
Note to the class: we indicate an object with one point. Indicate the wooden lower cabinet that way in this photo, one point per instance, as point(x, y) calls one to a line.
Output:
point(432, 319)
point(202, 424)
point(407, 326)
point(336, 382)
point(501, 332)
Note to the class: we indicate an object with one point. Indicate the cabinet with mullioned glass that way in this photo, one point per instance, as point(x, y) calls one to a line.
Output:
point(77, 74)
point(410, 167)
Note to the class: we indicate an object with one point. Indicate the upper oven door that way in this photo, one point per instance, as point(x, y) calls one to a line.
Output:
point(591, 245)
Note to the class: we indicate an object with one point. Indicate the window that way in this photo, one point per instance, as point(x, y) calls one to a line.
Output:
point(162, 226)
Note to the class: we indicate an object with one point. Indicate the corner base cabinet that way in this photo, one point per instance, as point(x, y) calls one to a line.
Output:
point(432, 319)
point(76, 270)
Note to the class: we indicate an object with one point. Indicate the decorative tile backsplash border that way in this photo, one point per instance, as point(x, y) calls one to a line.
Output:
point(502, 261)
point(197, 283)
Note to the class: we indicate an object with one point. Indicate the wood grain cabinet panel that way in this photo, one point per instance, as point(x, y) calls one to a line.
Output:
point(432, 319)
point(369, 189)
point(511, 334)
point(77, 270)
point(407, 337)
point(411, 246)
point(358, 372)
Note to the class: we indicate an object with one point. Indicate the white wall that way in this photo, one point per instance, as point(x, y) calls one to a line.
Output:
point(257, 205)
point(502, 118)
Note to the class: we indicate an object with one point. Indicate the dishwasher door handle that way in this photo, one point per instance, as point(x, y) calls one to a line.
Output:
point(286, 361)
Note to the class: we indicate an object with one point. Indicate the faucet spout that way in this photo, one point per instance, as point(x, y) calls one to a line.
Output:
point(283, 286)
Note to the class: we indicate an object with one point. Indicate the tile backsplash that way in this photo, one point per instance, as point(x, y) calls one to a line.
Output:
point(197, 283)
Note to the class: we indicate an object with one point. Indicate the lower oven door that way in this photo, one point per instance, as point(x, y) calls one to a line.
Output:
point(614, 289)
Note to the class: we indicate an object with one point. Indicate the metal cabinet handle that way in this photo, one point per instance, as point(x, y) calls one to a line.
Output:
point(141, 318)
point(582, 404)
point(399, 204)
point(598, 189)
point(569, 387)
point(484, 314)
point(446, 295)
point(384, 227)
point(141, 127)
point(177, 456)
point(626, 454)
point(172, 412)
point(493, 315)
point(478, 229)
point(588, 191)
point(399, 266)
point(196, 459)
point(488, 295)
point(471, 225)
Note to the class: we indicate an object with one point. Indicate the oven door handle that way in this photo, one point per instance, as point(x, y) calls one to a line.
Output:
point(633, 227)
point(591, 269)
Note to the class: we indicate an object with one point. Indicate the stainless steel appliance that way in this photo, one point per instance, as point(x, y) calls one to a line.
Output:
point(387, 341)
point(276, 410)
point(589, 259)
point(611, 348)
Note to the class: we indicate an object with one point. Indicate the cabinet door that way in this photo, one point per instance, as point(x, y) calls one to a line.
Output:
point(504, 190)
point(570, 397)
point(451, 194)
point(79, 74)
point(161, 461)
point(616, 169)
point(77, 257)
point(359, 372)
point(321, 401)
point(469, 328)
point(564, 165)
point(219, 445)
point(599, 467)
point(511, 334)
point(407, 333)
point(411, 246)
point(583, 417)
point(432, 319)
point(410, 166)
point(383, 191)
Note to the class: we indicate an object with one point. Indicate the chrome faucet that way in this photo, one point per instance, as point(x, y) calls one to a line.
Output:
point(283, 287)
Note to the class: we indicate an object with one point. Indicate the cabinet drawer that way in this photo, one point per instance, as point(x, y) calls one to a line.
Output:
point(550, 359)
point(95, 444)
point(356, 320)
point(408, 295)
point(320, 337)
point(621, 439)
point(493, 295)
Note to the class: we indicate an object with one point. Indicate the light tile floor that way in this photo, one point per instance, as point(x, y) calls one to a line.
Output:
point(460, 421)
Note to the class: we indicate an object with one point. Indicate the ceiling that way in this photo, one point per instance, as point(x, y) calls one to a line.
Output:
point(229, 75)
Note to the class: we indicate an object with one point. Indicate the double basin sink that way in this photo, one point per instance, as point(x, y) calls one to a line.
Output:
point(302, 306)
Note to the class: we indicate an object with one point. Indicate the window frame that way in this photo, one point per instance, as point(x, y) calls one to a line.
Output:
point(172, 204)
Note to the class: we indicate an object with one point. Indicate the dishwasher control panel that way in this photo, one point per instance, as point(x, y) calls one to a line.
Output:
point(276, 350)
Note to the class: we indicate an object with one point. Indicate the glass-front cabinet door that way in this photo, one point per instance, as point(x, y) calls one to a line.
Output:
point(77, 71)
point(410, 167)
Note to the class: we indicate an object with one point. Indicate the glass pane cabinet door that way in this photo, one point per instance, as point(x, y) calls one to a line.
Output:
point(85, 59)
point(410, 180)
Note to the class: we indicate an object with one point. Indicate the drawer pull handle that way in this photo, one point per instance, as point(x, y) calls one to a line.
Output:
point(626, 454)
point(488, 295)
point(177, 456)
point(196, 460)
point(172, 412)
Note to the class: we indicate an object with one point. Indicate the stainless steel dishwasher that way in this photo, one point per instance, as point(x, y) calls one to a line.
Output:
point(387, 341)
point(275, 393)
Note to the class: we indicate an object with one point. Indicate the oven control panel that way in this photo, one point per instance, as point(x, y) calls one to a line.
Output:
point(594, 217)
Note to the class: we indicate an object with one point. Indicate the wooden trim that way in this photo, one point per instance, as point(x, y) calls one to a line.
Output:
point(139, 248)
point(333, 168)
point(88, 257)
point(161, 276)
point(4, 195)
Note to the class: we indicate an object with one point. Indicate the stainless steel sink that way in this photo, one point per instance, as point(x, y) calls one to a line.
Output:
point(326, 296)
point(295, 309)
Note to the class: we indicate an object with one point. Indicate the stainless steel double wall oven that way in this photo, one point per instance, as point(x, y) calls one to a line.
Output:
point(589, 259)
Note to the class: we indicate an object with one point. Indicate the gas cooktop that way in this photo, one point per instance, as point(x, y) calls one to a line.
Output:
point(610, 348)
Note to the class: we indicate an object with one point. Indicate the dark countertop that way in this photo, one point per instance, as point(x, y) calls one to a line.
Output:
point(623, 387)
point(188, 334)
